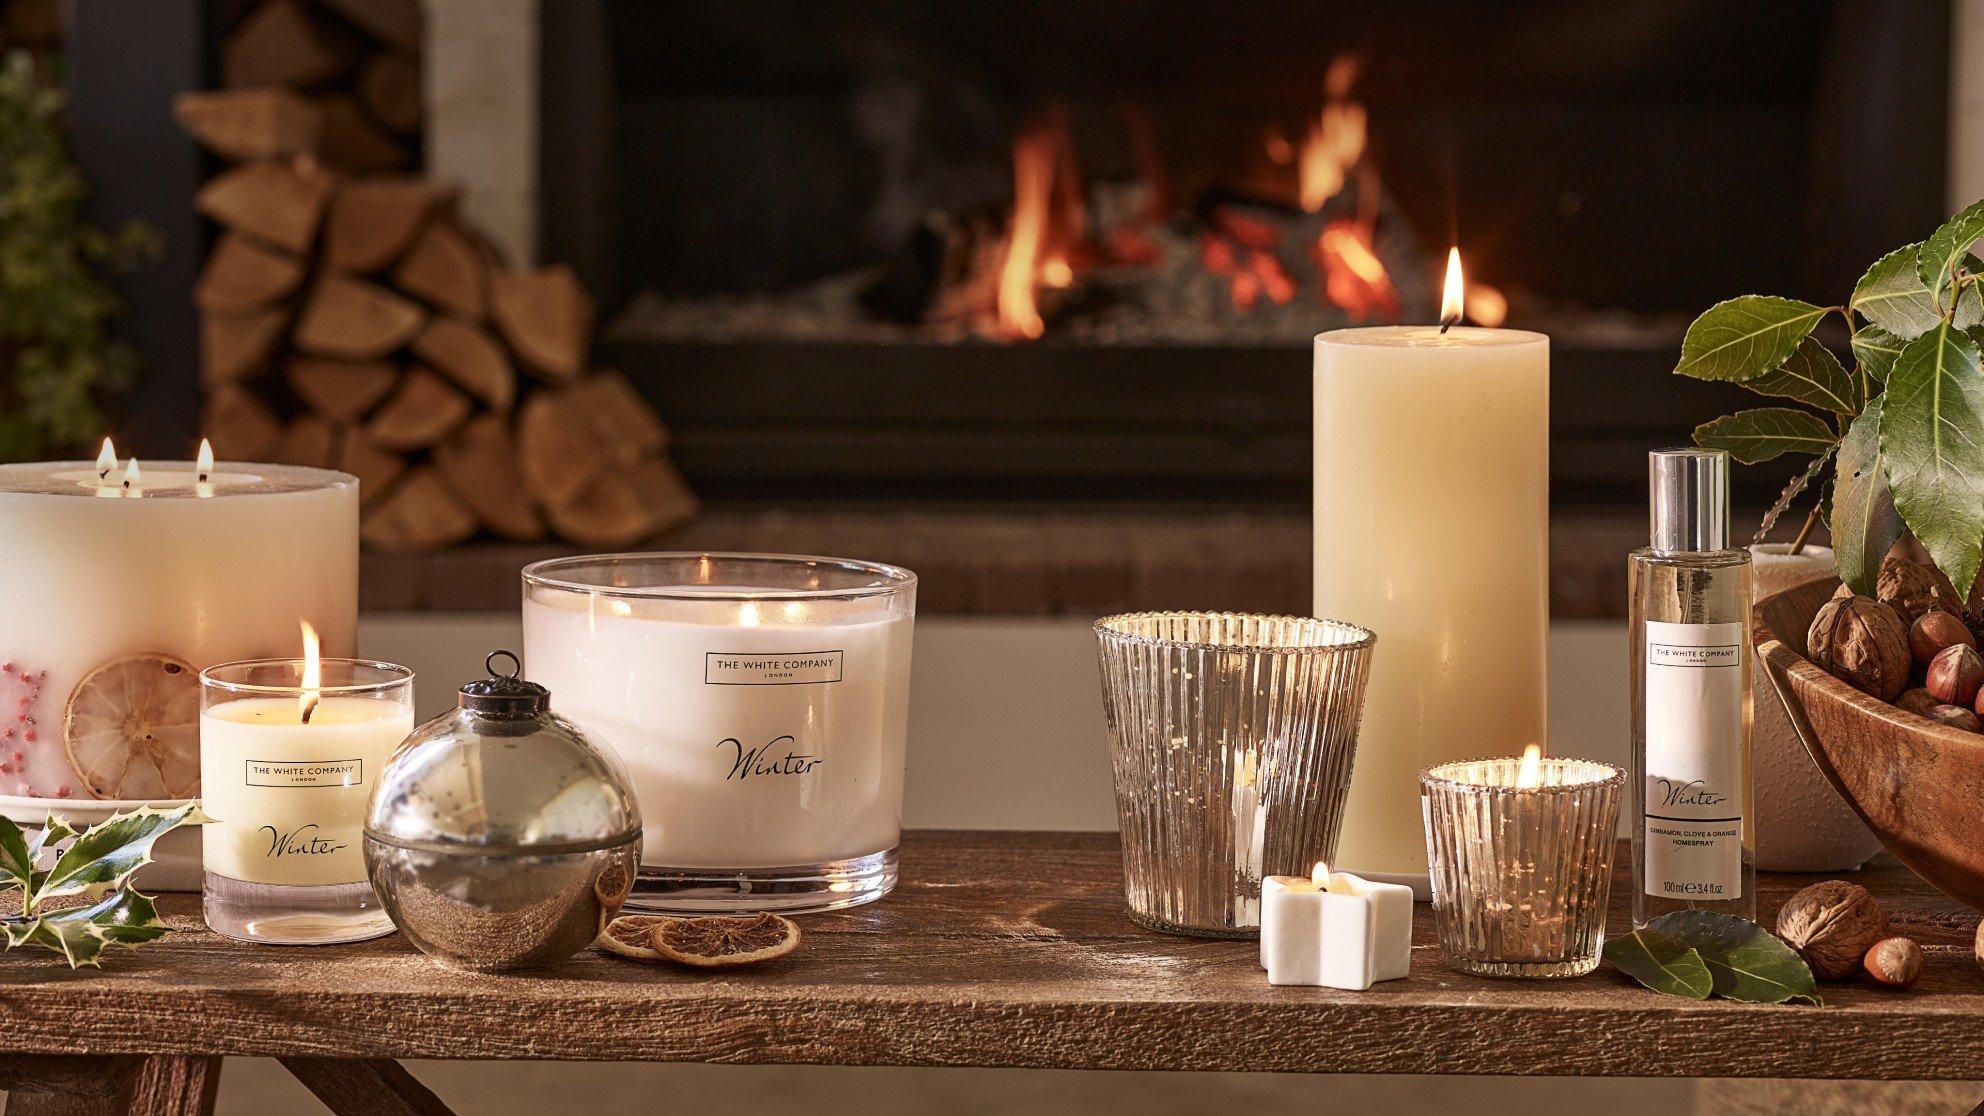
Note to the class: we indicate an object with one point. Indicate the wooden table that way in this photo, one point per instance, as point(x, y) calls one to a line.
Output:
point(999, 949)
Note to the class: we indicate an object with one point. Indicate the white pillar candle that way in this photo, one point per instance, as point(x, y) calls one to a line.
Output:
point(1334, 930)
point(1431, 527)
point(166, 577)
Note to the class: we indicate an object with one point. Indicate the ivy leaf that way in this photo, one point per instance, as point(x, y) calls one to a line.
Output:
point(1792, 490)
point(1813, 375)
point(1875, 350)
point(1932, 439)
point(1863, 518)
point(1893, 296)
point(1945, 248)
point(80, 934)
point(1745, 337)
point(104, 857)
point(1765, 433)
point(1662, 962)
point(1747, 962)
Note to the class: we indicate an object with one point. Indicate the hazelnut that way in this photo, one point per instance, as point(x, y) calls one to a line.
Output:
point(1863, 643)
point(1956, 716)
point(1832, 925)
point(1935, 630)
point(1913, 588)
point(1955, 675)
point(1917, 701)
point(1894, 962)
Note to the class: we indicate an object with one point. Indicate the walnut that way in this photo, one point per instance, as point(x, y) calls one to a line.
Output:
point(1863, 643)
point(1913, 589)
point(1832, 925)
point(1894, 962)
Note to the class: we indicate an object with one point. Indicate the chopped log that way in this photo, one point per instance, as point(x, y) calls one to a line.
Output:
point(665, 492)
point(421, 413)
point(546, 316)
point(626, 506)
point(341, 390)
point(375, 468)
point(235, 347)
point(556, 454)
point(480, 465)
point(418, 514)
point(447, 269)
point(265, 123)
point(356, 320)
point(308, 440)
point(618, 417)
point(281, 202)
point(471, 358)
point(389, 88)
point(241, 276)
point(281, 43)
point(349, 141)
point(240, 428)
point(393, 22)
point(374, 219)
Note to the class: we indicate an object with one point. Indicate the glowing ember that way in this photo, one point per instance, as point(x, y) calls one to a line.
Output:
point(1353, 276)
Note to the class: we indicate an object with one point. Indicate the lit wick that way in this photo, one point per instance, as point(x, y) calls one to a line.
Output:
point(1454, 295)
point(313, 673)
point(106, 460)
point(205, 465)
point(1530, 774)
point(132, 480)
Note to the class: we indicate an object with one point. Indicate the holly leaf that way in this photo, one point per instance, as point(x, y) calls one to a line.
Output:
point(1662, 962)
point(1948, 246)
point(1812, 375)
point(1765, 433)
point(1745, 337)
point(1875, 350)
point(1893, 296)
point(1932, 439)
point(1863, 518)
point(1745, 961)
point(104, 857)
point(80, 934)
point(16, 859)
point(54, 830)
point(1792, 491)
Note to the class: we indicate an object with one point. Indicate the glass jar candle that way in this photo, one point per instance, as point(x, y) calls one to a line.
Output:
point(760, 704)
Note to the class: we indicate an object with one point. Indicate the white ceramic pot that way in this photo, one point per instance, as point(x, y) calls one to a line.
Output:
point(1802, 823)
point(175, 862)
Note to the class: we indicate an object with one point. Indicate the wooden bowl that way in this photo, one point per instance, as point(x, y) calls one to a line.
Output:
point(1918, 784)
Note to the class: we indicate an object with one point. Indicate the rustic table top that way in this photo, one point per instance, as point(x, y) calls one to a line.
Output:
point(999, 949)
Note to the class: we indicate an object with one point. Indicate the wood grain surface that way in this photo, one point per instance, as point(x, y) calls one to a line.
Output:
point(1000, 949)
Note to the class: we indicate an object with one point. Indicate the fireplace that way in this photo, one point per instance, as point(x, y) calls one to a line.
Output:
point(886, 251)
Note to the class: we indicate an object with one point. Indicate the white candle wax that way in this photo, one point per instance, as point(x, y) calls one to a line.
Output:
point(1432, 471)
point(757, 733)
point(1335, 930)
point(184, 571)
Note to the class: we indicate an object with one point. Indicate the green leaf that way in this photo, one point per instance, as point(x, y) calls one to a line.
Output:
point(1892, 296)
point(1813, 375)
point(1745, 337)
point(1946, 248)
point(1662, 962)
point(1863, 518)
point(1792, 490)
point(104, 857)
point(1767, 432)
point(1747, 962)
point(80, 934)
point(1875, 350)
point(16, 859)
point(54, 830)
point(1932, 439)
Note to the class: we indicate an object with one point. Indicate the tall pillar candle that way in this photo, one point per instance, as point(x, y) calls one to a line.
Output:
point(1432, 529)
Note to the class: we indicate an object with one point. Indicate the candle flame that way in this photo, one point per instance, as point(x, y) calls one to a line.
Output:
point(313, 672)
point(132, 479)
point(1320, 874)
point(204, 465)
point(1453, 297)
point(106, 460)
point(1531, 772)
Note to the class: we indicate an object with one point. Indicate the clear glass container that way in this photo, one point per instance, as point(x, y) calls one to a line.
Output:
point(286, 764)
point(760, 703)
point(1521, 872)
point(1231, 737)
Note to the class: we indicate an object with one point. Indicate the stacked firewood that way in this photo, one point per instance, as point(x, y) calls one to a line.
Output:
point(354, 320)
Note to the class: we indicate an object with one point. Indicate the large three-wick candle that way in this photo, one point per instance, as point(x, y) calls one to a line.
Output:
point(1432, 481)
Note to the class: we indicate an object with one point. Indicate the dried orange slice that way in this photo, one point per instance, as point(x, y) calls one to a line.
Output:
point(132, 729)
point(718, 941)
point(630, 935)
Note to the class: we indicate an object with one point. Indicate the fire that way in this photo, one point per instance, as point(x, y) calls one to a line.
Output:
point(1353, 276)
point(1530, 772)
point(1048, 225)
point(1335, 140)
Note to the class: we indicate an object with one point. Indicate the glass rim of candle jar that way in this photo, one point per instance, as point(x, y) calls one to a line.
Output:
point(341, 677)
point(1252, 633)
point(1557, 775)
point(859, 578)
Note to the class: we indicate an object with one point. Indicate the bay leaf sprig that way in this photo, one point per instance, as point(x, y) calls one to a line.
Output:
point(92, 866)
point(1698, 954)
point(1896, 442)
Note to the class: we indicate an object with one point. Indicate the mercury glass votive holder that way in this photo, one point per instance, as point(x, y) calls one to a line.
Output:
point(1231, 737)
point(1521, 873)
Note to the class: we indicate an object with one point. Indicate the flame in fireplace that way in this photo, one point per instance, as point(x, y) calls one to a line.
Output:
point(1353, 275)
point(1048, 225)
point(1335, 140)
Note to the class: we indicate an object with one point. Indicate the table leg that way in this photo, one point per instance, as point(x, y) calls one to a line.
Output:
point(366, 1087)
point(106, 1085)
point(175, 1085)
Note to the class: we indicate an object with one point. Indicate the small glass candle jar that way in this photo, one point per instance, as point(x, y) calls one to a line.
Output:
point(1520, 853)
point(287, 758)
point(760, 704)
